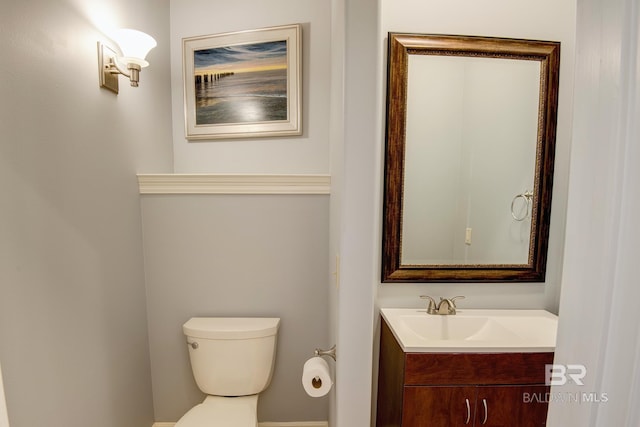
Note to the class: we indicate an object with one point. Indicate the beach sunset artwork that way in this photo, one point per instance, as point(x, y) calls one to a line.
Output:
point(243, 84)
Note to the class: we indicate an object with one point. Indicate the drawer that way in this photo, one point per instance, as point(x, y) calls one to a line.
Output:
point(475, 368)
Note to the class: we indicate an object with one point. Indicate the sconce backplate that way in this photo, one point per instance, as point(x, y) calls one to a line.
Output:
point(108, 80)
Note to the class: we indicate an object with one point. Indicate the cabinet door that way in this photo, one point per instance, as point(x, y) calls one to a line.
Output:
point(438, 406)
point(508, 406)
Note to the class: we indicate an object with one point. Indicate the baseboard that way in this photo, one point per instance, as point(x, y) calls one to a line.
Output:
point(270, 424)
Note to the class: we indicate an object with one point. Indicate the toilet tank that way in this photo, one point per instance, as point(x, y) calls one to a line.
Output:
point(232, 356)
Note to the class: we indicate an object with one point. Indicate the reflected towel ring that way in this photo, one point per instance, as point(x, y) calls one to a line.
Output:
point(527, 196)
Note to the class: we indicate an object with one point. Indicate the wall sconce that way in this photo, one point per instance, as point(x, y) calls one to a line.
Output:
point(135, 45)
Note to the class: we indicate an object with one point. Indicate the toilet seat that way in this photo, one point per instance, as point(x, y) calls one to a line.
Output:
point(218, 411)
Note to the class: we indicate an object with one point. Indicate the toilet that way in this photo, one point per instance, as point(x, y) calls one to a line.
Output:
point(232, 359)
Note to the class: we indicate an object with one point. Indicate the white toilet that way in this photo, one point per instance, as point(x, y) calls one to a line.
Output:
point(232, 361)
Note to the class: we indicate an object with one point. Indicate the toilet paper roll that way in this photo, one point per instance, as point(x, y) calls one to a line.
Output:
point(316, 377)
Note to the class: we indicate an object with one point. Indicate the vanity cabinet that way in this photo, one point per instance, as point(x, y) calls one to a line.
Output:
point(459, 389)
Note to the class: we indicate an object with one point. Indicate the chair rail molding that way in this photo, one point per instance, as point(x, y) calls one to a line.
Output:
point(233, 184)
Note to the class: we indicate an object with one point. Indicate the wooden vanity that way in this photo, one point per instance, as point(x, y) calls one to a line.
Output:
point(460, 389)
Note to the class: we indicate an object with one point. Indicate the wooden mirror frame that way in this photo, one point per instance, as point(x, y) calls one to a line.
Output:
point(400, 46)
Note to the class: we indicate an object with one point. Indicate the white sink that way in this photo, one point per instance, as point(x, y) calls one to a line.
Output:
point(475, 331)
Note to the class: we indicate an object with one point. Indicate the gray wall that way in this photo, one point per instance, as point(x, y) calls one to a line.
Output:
point(237, 255)
point(73, 334)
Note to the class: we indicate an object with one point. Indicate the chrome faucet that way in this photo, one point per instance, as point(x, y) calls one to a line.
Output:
point(446, 306)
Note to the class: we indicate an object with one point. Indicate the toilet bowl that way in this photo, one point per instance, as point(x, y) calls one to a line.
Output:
point(232, 360)
point(223, 412)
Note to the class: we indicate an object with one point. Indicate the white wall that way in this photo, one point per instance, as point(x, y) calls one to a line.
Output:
point(308, 153)
point(73, 332)
point(337, 127)
point(358, 212)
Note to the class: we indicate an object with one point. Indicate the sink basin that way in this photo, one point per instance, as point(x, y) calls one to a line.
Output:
point(457, 328)
point(473, 330)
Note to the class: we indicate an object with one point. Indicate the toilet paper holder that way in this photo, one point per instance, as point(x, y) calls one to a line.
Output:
point(331, 352)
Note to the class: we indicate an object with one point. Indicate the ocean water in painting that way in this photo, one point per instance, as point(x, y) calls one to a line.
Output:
point(241, 84)
point(256, 96)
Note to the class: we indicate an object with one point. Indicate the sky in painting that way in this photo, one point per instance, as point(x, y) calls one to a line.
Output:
point(242, 58)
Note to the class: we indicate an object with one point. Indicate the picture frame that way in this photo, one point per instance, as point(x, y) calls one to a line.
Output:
point(243, 84)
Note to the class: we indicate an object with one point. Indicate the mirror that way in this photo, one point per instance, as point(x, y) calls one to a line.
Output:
point(470, 144)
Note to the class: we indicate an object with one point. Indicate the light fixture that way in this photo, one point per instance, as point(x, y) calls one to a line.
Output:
point(135, 45)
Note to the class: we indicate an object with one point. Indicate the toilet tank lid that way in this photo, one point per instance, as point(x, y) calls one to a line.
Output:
point(231, 328)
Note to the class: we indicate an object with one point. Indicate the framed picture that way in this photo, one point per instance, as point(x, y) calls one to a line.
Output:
point(243, 84)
